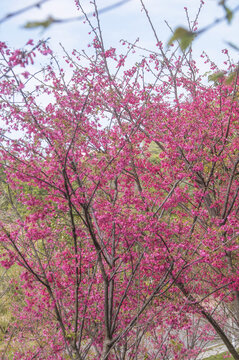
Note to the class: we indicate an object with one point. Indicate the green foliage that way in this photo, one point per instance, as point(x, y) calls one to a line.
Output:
point(222, 76)
point(231, 77)
point(216, 76)
point(154, 151)
point(183, 36)
point(7, 294)
point(219, 357)
point(228, 12)
point(44, 24)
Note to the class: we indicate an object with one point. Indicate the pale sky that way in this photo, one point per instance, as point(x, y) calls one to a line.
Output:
point(125, 22)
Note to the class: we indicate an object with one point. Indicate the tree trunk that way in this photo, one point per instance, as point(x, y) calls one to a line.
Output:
point(211, 320)
point(106, 349)
point(222, 335)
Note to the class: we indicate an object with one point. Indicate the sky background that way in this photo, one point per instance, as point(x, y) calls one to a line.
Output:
point(124, 22)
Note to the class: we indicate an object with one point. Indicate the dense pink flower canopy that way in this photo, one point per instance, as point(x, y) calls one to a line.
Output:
point(122, 194)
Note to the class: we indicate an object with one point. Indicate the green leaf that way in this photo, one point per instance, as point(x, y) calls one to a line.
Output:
point(184, 36)
point(34, 24)
point(229, 13)
point(231, 77)
point(216, 76)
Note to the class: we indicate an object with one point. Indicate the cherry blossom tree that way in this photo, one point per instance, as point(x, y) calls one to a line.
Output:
point(123, 252)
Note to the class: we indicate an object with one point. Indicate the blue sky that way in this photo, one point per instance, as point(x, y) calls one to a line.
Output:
point(125, 22)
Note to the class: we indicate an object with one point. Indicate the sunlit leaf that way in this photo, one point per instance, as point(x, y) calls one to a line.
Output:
point(229, 13)
point(216, 76)
point(232, 76)
point(35, 24)
point(184, 36)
